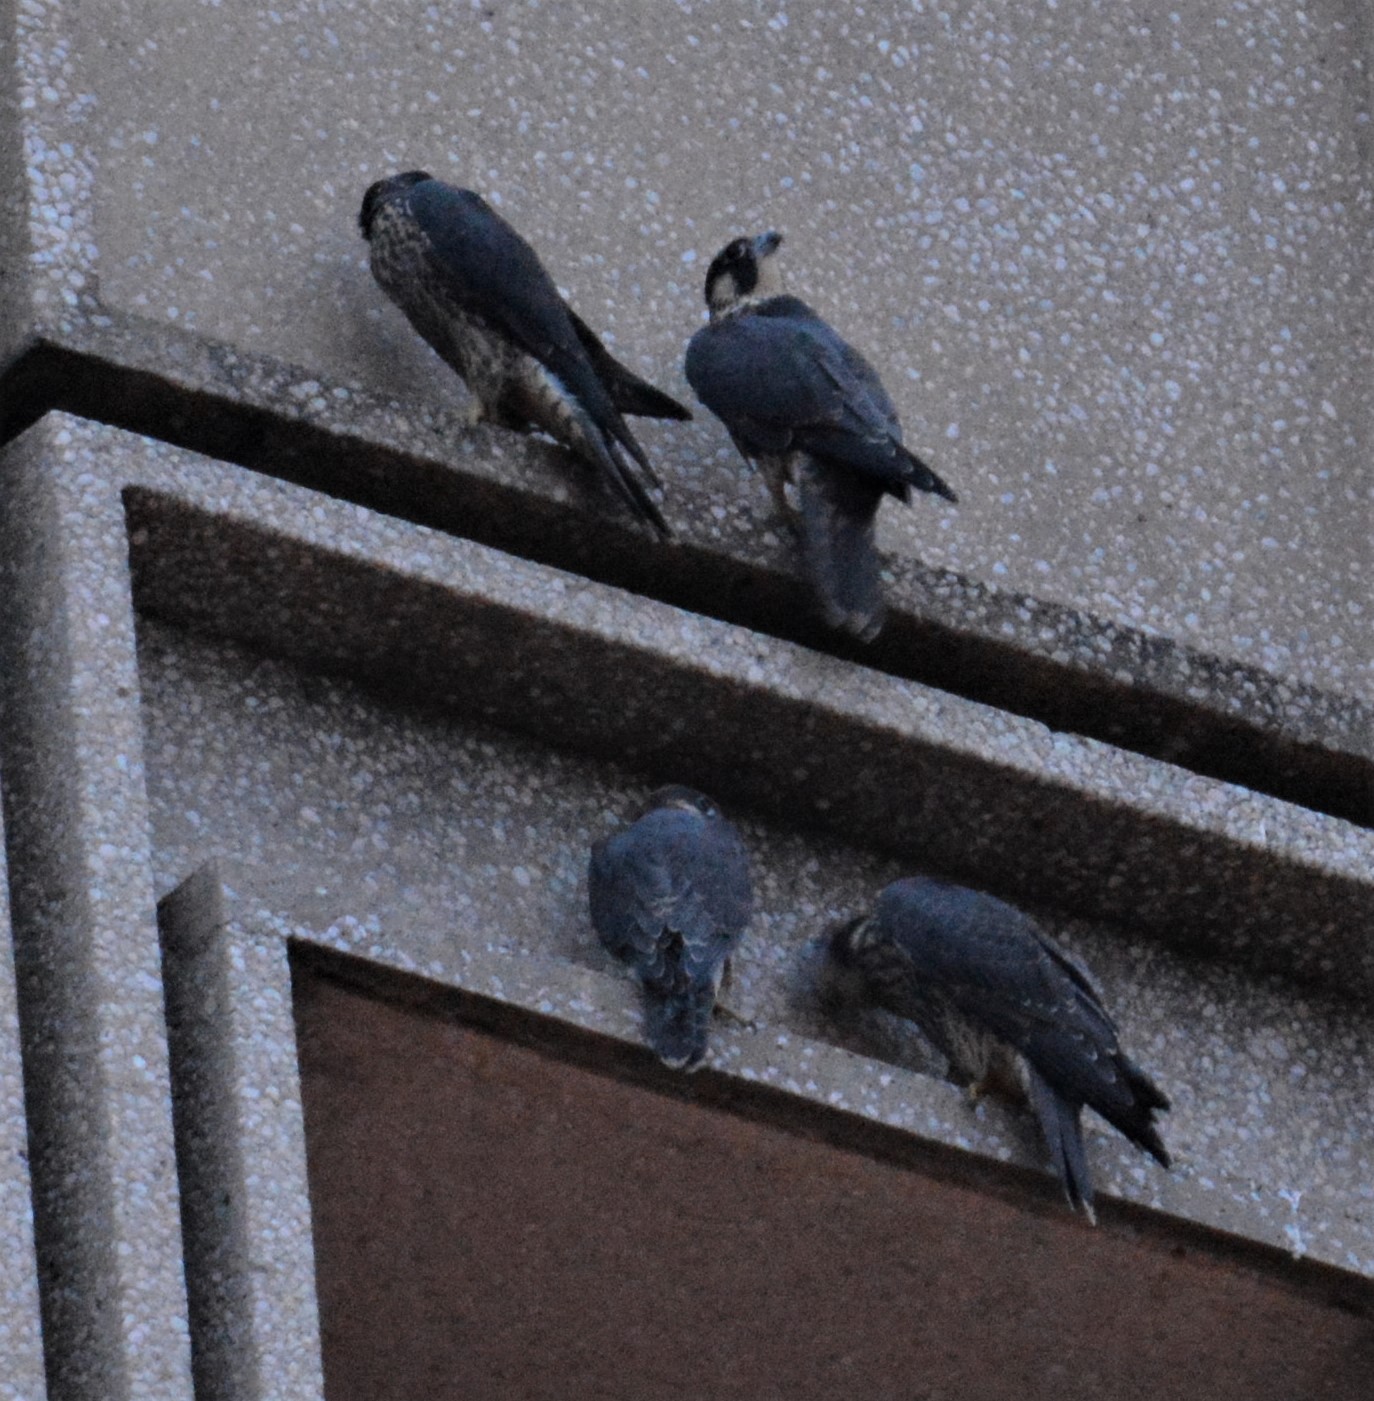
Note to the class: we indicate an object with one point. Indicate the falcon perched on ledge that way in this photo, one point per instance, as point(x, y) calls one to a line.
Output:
point(1007, 1007)
point(477, 292)
point(806, 407)
point(670, 896)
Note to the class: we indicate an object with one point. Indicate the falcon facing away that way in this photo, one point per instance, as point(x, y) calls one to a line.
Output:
point(806, 407)
point(670, 896)
point(477, 292)
point(1007, 1007)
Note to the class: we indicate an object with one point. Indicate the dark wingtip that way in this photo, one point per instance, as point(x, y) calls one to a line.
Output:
point(924, 479)
point(646, 508)
point(631, 490)
point(628, 392)
point(644, 401)
point(1145, 1135)
point(1139, 1124)
point(644, 505)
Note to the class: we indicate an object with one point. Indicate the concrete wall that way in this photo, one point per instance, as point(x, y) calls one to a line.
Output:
point(292, 649)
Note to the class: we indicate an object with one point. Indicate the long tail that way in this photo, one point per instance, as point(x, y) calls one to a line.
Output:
point(630, 489)
point(1060, 1123)
point(602, 445)
point(837, 529)
point(677, 1023)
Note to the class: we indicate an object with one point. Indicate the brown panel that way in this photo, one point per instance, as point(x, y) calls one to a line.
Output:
point(491, 1221)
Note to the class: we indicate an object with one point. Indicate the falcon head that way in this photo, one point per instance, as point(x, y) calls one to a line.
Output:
point(382, 190)
point(842, 975)
point(677, 795)
point(741, 273)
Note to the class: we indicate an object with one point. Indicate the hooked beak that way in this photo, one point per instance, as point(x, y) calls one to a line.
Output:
point(767, 243)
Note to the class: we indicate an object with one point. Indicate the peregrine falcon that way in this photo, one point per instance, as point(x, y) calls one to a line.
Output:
point(806, 407)
point(1007, 1007)
point(477, 292)
point(670, 896)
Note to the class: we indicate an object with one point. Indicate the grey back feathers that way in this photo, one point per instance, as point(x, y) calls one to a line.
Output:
point(806, 406)
point(670, 896)
point(988, 986)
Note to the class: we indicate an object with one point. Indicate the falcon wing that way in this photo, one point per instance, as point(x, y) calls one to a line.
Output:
point(629, 393)
point(669, 896)
point(782, 380)
point(996, 967)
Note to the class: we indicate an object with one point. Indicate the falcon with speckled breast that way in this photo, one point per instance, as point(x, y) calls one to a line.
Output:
point(670, 896)
point(1009, 1009)
point(806, 407)
point(477, 292)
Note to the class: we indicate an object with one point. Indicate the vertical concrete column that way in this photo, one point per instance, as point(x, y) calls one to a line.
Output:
point(85, 938)
point(250, 1268)
point(21, 1347)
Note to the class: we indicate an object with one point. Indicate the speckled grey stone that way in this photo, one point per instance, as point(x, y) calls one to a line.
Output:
point(21, 1333)
point(392, 805)
point(1039, 816)
point(1107, 263)
point(15, 313)
point(97, 1095)
point(241, 1155)
point(1270, 1120)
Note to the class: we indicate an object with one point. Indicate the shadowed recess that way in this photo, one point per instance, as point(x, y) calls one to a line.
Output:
point(1218, 736)
point(497, 1218)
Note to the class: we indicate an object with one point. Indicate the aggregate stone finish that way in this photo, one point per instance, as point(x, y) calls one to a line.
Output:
point(85, 944)
point(466, 843)
point(21, 1337)
point(241, 1156)
point(972, 791)
point(390, 791)
point(1114, 266)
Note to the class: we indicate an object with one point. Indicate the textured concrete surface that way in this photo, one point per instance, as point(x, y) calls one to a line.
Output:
point(447, 848)
point(1117, 270)
point(325, 697)
point(97, 1100)
point(471, 1111)
point(301, 777)
point(963, 788)
point(15, 310)
point(1093, 252)
point(21, 1344)
point(240, 1154)
point(956, 785)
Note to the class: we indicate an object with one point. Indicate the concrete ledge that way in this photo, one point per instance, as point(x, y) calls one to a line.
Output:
point(383, 1109)
point(1061, 666)
point(1251, 663)
point(118, 547)
point(21, 1336)
point(95, 1065)
point(1037, 816)
point(240, 1155)
point(879, 760)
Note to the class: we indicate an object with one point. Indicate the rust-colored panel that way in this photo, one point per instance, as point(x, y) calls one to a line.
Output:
point(491, 1221)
